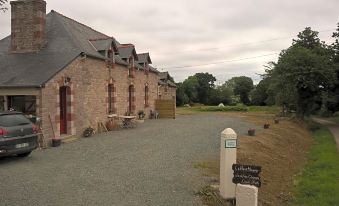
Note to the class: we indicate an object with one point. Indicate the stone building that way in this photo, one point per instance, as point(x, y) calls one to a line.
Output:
point(167, 88)
point(68, 74)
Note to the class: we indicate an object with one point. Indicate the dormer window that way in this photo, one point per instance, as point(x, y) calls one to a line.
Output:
point(111, 56)
point(131, 67)
point(146, 66)
point(131, 61)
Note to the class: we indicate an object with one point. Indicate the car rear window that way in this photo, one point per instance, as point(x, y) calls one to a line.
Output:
point(11, 120)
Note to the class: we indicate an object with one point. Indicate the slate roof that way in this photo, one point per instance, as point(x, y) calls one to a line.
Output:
point(152, 69)
point(67, 39)
point(163, 75)
point(126, 50)
point(164, 79)
point(102, 44)
point(144, 58)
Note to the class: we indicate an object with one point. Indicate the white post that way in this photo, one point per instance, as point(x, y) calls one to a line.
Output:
point(228, 157)
point(247, 195)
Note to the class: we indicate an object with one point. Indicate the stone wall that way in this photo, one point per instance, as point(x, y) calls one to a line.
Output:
point(167, 93)
point(87, 100)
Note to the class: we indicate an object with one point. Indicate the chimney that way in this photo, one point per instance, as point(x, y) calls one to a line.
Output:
point(28, 25)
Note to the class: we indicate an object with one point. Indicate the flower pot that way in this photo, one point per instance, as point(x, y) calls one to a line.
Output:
point(251, 132)
point(111, 125)
point(56, 142)
point(140, 121)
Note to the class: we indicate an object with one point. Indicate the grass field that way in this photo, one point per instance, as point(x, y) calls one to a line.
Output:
point(237, 108)
point(319, 182)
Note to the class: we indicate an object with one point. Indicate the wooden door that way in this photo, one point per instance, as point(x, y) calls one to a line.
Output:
point(63, 110)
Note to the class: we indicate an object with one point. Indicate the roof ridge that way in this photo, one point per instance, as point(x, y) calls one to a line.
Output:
point(79, 23)
point(126, 45)
point(103, 38)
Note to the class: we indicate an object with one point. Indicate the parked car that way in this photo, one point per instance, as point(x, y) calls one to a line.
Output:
point(18, 135)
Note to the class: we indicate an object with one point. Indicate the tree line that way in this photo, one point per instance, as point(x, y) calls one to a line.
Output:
point(305, 79)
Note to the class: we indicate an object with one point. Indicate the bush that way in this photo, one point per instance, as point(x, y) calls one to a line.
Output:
point(238, 108)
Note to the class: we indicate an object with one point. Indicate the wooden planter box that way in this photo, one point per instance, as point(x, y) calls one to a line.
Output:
point(56, 142)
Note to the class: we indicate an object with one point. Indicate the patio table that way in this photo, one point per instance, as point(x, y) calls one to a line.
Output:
point(127, 122)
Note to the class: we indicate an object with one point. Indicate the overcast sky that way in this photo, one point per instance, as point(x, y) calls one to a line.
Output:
point(199, 32)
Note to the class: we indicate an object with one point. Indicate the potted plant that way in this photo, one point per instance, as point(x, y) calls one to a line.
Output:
point(266, 125)
point(88, 132)
point(111, 125)
point(56, 142)
point(141, 116)
point(276, 121)
point(251, 132)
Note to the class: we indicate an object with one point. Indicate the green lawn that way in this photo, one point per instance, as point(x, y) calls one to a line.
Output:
point(319, 183)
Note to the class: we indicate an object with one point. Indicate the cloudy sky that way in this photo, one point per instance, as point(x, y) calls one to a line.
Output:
point(224, 37)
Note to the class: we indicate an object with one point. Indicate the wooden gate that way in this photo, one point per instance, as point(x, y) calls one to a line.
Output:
point(166, 108)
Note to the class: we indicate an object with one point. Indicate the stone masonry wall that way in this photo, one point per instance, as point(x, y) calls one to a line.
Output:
point(87, 100)
point(167, 93)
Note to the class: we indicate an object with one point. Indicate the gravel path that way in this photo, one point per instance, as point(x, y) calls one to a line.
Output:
point(149, 165)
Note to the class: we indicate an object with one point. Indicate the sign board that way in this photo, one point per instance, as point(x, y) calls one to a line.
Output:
point(231, 143)
point(246, 174)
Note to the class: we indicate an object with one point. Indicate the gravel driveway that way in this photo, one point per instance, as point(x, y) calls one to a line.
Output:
point(149, 165)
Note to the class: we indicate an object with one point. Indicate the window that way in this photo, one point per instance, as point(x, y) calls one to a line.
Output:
point(24, 104)
point(146, 96)
point(111, 98)
point(111, 56)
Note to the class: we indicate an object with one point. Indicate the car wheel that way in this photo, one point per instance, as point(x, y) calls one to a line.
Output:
point(24, 154)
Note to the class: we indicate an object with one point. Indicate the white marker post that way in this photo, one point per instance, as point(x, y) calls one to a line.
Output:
point(228, 157)
point(247, 195)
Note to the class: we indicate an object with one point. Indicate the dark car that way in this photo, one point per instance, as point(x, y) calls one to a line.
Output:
point(18, 135)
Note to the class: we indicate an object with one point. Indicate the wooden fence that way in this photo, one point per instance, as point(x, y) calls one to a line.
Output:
point(166, 108)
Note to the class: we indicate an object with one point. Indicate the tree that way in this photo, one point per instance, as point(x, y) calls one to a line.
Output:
point(205, 86)
point(190, 86)
point(332, 96)
point(335, 45)
point(242, 86)
point(221, 94)
point(302, 73)
point(2, 5)
point(259, 94)
point(307, 39)
point(181, 96)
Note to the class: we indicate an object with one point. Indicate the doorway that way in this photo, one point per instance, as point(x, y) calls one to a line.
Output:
point(63, 110)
